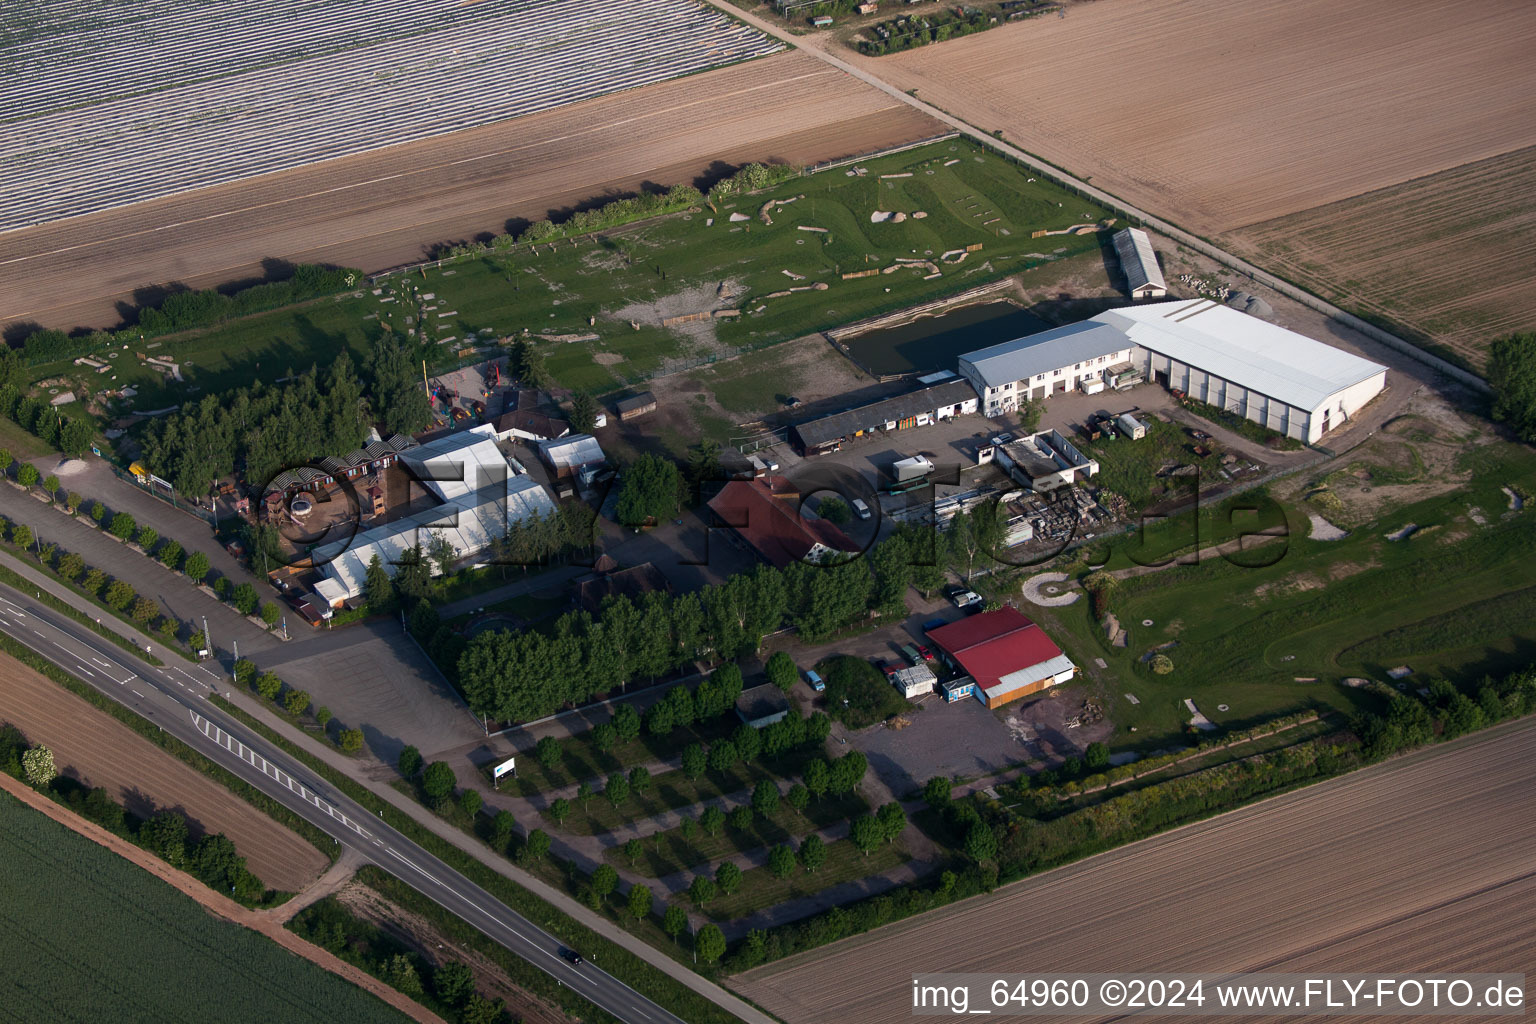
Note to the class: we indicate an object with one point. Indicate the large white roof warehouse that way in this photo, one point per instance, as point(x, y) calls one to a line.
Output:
point(1296, 386)
point(1284, 380)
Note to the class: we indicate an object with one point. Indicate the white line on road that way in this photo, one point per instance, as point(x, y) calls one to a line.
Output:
point(136, 693)
point(103, 664)
point(87, 671)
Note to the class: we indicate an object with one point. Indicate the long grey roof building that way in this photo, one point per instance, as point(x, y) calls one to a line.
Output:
point(915, 408)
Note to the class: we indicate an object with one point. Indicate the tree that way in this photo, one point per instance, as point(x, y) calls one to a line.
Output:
point(119, 595)
point(741, 818)
point(847, 772)
point(75, 438)
point(71, 566)
point(584, 410)
point(702, 890)
point(626, 723)
point(548, 752)
point(27, 475)
point(413, 573)
point(538, 843)
point(297, 702)
point(37, 764)
point(781, 860)
point(122, 526)
point(440, 550)
point(1512, 376)
point(399, 403)
point(694, 760)
point(147, 538)
point(710, 943)
point(245, 598)
point(617, 790)
point(817, 777)
point(936, 792)
point(703, 466)
point(269, 685)
point(7, 460)
point(378, 591)
point(980, 842)
point(765, 797)
point(813, 853)
point(865, 833)
point(781, 670)
point(453, 982)
point(604, 881)
point(641, 899)
point(470, 802)
point(22, 536)
point(712, 820)
point(409, 762)
point(583, 793)
point(98, 511)
point(401, 974)
point(438, 781)
point(1096, 757)
point(747, 741)
point(323, 716)
point(728, 877)
point(834, 510)
point(270, 613)
point(559, 809)
point(632, 850)
point(723, 756)
point(640, 780)
point(72, 502)
point(502, 827)
point(649, 490)
point(675, 921)
point(197, 567)
point(145, 610)
point(165, 835)
point(350, 740)
point(480, 1010)
point(892, 821)
point(604, 735)
point(51, 485)
point(798, 796)
point(170, 555)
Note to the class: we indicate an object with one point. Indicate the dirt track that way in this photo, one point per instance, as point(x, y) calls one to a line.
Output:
point(1219, 114)
point(384, 209)
point(1422, 864)
point(89, 745)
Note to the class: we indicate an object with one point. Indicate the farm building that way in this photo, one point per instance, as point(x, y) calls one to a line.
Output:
point(576, 455)
point(914, 681)
point(609, 580)
point(635, 406)
point(764, 512)
point(529, 425)
point(1138, 262)
point(1042, 365)
point(1045, 461)
point(1006, 654)
point(761, 706)
point(481, 491)
point(1283, 380)
point(918, 408)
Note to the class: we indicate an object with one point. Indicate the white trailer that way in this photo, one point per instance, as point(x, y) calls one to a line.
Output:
point(911, 469)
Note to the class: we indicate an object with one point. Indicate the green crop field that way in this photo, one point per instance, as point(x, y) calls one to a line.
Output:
point(634, 277)
point(1281, 631)
point(88, 936)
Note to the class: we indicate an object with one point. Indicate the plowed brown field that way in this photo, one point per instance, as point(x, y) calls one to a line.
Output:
point(89, 745)
point(1422, 864)
point(1217, 114)
point(387, 208)
point(1451, 256)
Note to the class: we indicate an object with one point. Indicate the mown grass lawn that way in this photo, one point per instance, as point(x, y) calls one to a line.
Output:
point(760, 888)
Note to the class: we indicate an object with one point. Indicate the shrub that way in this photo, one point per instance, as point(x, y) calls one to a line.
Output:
point(196, 567)
point(245, 598)
point(1162, 664)
point(409, 762)
point(144, 610)
point(470, 801)
point(297, 702)
point(323, 716)
point(72, 502)
point(98, 511)
point(269, 685)
point(350, 740)
point(270, 613)
point(438, 781)
point(147, 537)
point(122, 526)
point(118, 595)
point(170, 555)
point(781, 670)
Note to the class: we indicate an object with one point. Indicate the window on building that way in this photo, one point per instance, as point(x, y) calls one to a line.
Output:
point(1077, 366)
point(1039, 376)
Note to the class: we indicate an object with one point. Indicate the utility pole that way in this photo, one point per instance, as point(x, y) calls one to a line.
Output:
point(207, 636)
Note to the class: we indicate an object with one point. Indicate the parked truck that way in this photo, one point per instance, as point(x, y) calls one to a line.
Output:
point(915, 468)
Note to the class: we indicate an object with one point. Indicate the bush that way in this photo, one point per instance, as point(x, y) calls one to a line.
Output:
point(118, 595)
point(323, 716)
point(270, 613)
point(269, 685)
point(350, 740)
point(410, 762)
point(147, 537)
point(1161, 664)
point(122, 526)
point(297, 702)
point(245, 598)
point(196, 567)
point(781, 670)
point(438, 781)
point(470, 801)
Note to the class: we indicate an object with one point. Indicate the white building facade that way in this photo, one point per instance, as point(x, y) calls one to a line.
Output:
point(1050, 363)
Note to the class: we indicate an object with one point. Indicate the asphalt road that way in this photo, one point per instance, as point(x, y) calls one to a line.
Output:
point(175, 698)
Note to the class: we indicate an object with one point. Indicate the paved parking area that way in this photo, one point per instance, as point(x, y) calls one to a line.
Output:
point(373, 676)
point(961, 739)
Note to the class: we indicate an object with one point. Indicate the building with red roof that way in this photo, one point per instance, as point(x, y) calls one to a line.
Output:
point(1007, 655)
point(765, 513)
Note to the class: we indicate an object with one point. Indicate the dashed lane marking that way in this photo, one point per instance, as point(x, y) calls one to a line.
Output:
point(87, 671)
point(136, 693)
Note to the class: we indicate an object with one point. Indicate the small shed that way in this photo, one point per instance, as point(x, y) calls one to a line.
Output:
point(635, 406)
point(761, 706)
point(915, 681)
point(1131, 427)
point(958, 689)
point(822, 21)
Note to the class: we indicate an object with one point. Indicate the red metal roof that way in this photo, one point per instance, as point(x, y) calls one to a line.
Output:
point(993, 644)
point(763, 513)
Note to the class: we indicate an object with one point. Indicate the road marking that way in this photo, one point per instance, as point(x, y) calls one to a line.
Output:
point(103, 664)
point(139, 695)
point(38, 632)
point(87, 671)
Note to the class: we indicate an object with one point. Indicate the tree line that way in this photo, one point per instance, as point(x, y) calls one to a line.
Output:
point(261, 430)
point(70, 434)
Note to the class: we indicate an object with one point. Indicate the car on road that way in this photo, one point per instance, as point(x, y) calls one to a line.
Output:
point(860, 509)
point(571, 955)
point(924, 651)
point(910, 653)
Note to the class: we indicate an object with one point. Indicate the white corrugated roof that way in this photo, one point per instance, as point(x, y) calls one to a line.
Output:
point(1033, 674)
point(1138, 259)
point(1260, 356)
point(575, 450)
point(458, 464)
point(470, 522)
point(1026, 357)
